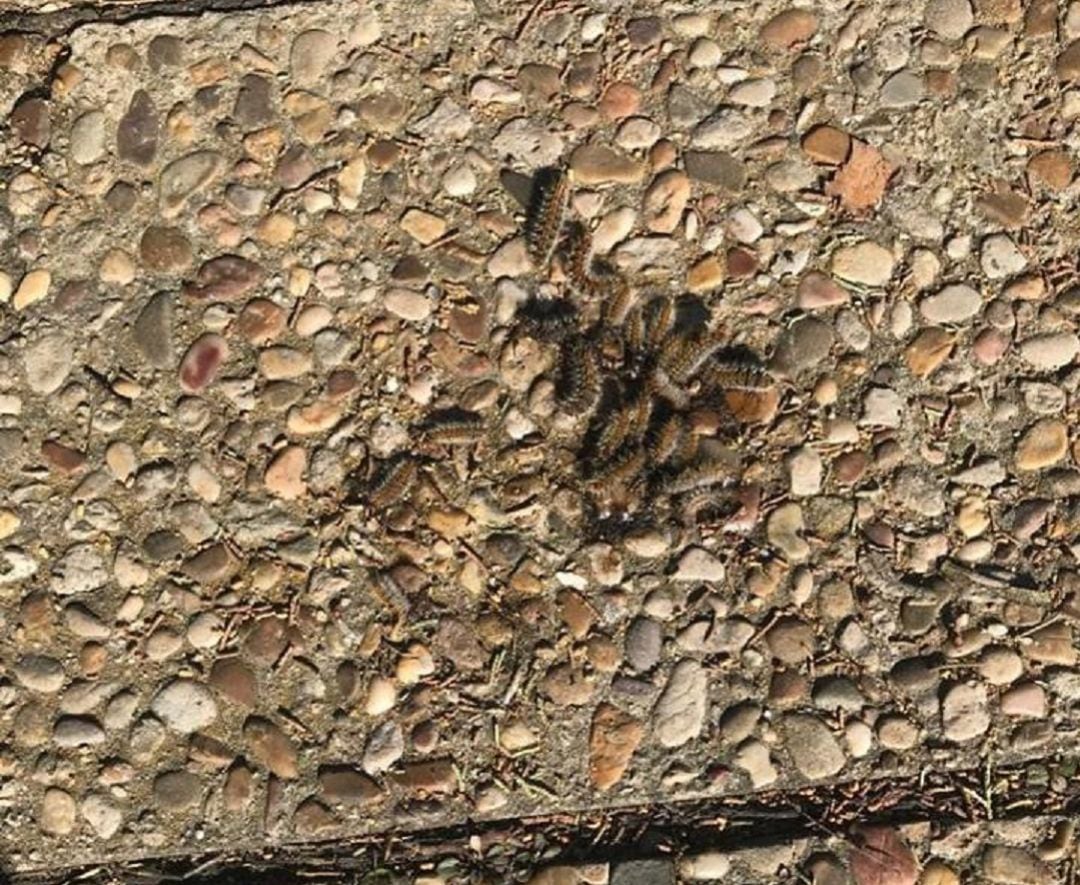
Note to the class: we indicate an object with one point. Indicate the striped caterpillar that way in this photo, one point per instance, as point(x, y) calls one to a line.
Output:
point(579, 376)
point(544, 217)
point(454, 427)
point(394, 482)
point(699, 475)
point(596, 280)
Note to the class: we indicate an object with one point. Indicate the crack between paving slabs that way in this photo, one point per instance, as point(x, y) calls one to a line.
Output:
point(949, 797)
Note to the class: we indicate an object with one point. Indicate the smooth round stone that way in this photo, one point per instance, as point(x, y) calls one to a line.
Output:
point(1051, 350)
point(31, 123)
point(989, 346)
point(137, 131)
point(116, 268)
point(87, 142)
point(897, 732)
point(77, 731)
point(705, 53)
point(827, 144)
point(408, 305)
point(597, 164)
point(903, 89)
point(459, 181)
point(716, 167)
point(784, 529)
point(185, 706)
point(953, 304)
point(753, 93)
point(310, 56)
point(638, 133)
point(57, 814)
point(284, 476)
point(164, 249)
point(40, 673)
point(1043, 444)
point(177, 790)
point(805, 344)
point(789, 28)
point(163, 644)
point(965, 712)
point(790, 640)
point(201, 362)
point(866, 263)
point(104, 816)
point(949, 19)
point(665, 201)
point(33, 287)
point(726, 129)
point(813, 748)
point(999, 257)
point(187, 176)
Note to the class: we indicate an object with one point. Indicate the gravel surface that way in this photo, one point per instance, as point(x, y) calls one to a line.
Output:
point(413, 414)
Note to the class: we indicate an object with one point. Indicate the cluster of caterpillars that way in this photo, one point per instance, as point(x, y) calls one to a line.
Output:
point(634, 374)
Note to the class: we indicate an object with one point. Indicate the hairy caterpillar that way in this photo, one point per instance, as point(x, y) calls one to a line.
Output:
point(544, 217)
point(394, 482)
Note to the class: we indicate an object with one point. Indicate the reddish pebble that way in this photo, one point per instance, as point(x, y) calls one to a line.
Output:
point(741, 262)
point(284, 477)
point(61, 457)
point(989, 347)
point(341, 383)
point(850, 467)
point(226, 277)
point(818, 290)
point(620, 100)
point(789, 28)
point(201, 362)
point(260, 322)
point(662, 154)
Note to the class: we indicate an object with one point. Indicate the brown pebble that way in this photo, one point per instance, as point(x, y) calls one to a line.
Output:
point(269, 745)
point(1051, 168)
point(827, 144)
point(383, 154)
point(62, 458)
point(235, 680)
point(164, 249)
point(619, 101)
point(789, 28)
point(260, 322)
point(850, 467)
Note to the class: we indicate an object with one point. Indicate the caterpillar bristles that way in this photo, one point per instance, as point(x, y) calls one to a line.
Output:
point(626, 465)
point(736, 373)
point(548, 319)
point(395, 480)
point(641, 406)
point(659, 319)
point(634, 330)
point(453, 427)
point(699, 475)
point(662, 385)
point(578, 261)
point(663, 441)
point(619, 300)
point(689, 355)
point(544, 218)
point(579, 384)
point(701, 502)
point(613, 432)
